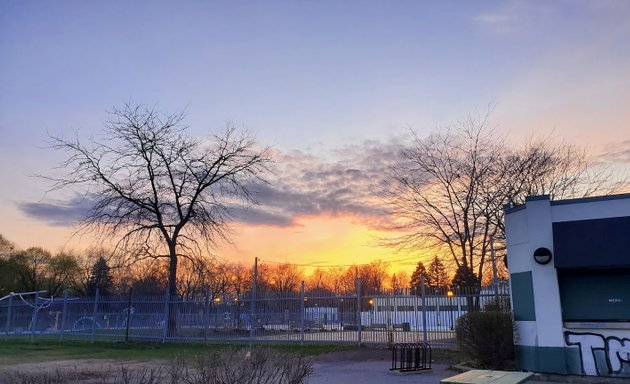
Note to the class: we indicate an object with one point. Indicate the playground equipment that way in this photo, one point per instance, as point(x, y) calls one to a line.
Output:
point(88, 322)
point(37, 305)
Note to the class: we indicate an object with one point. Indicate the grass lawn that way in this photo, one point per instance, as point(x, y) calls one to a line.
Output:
point(15, 351)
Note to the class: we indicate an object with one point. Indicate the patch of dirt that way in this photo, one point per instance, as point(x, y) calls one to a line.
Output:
point(80, 371)
point(100, 371)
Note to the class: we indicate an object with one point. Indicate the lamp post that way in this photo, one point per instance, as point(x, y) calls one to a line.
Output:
point(450, 294)
point(341, 314)
point(237, 284)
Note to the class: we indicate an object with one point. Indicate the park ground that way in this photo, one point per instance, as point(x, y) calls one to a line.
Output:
point(93, 362)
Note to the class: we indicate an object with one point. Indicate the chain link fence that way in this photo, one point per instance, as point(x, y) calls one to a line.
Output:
point(305, 316)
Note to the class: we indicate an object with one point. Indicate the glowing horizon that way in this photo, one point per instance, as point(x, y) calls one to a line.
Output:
point(334, 96)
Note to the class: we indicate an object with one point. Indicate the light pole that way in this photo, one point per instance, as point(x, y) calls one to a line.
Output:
point(450, 294)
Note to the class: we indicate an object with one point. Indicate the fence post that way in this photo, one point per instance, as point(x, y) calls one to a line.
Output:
point(9, 313)
point(64, 309)
point(302, 314)
point(128, 315)
point(34, 316)
point(207, 316)
point(495, 280)
point(359, 326)
point(425, 332)
point(252, 317)
point(94, 313)
point(165, 326)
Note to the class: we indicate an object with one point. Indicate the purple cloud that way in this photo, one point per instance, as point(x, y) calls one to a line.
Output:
point(302, 185)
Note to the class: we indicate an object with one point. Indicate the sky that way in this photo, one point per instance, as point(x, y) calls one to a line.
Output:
point(333, 86)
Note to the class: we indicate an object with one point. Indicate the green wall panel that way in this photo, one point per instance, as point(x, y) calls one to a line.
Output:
point(523, 296)
point(547, 359)
point(595, 295)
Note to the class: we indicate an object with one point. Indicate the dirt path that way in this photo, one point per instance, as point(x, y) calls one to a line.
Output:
point(77, 371)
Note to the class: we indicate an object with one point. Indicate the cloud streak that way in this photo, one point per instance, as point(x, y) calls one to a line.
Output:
point(59, 213)
point(306, 185)
point(302, 185)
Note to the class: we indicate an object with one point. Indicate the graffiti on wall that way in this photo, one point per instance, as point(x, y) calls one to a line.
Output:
point(615, 350)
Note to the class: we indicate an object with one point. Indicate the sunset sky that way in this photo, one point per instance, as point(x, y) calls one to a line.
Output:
point(333, 86)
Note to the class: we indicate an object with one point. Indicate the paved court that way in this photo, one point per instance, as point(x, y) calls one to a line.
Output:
point(376, 372)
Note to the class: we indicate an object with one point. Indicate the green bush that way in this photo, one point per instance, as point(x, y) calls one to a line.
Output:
point(487, 337)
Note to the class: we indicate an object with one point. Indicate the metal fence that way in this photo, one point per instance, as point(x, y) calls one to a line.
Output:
point(304, 316)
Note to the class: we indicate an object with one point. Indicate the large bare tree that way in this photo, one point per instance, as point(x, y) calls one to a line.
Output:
point(158, 191)
point(449, 193)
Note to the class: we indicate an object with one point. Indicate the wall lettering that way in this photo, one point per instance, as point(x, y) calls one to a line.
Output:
point(616, 351)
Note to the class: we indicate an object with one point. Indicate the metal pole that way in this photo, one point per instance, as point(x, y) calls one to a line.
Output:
point(359, 326)
point(252, 330)
point(425, 332)
point(9, 313)
point(302, 314)
point(207, 313)
point(64, 311)
point(166, 320)
point(495, 281)
point(94, 313)
point(34, 317)
point(128, 315)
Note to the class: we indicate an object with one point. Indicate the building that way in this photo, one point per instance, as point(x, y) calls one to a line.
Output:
point(569, 263)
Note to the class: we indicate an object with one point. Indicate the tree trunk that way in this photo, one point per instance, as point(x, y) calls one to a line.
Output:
point(172, 291)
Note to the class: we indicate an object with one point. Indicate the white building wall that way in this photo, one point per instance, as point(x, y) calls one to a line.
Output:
point(544, 277)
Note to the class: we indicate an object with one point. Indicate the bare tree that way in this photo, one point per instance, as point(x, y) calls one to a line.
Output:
point(373, 277)
point(36, 261)
point(159, 191)
point(437, 195)
point(399, 282)
point(450, 193)
point(63, 273)
point(6, 246)
point(285, 278)
point(317, 281)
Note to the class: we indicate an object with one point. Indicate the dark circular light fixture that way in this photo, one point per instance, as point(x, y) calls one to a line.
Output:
point(542, 256)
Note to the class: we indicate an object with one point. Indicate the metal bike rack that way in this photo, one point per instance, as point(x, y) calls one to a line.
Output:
point(407, 357)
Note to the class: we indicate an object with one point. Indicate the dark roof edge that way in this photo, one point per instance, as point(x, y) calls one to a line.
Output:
point(537, 197)
point(591, 199)
point(507, 209)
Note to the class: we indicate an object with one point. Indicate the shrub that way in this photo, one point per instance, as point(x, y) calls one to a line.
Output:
point(236, 366)
point(241, 366)
point(487, 337)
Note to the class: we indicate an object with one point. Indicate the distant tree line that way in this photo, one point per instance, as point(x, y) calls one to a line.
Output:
point(82, 273)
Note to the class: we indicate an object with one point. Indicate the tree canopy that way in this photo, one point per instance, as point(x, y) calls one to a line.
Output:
point(159, 191)
point(448, 194)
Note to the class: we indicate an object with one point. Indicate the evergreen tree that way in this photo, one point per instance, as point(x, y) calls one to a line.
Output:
point(101, 278)
point(437, 276)
point(416, 278)
point(467, 282)
point(465, 278)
